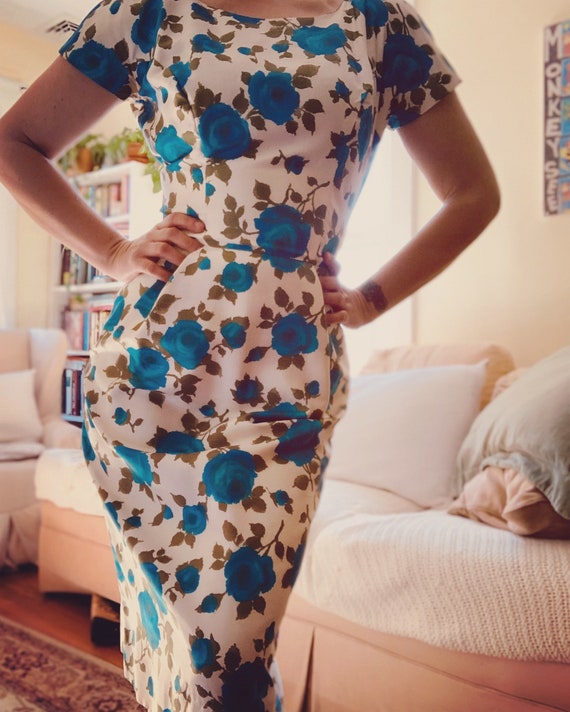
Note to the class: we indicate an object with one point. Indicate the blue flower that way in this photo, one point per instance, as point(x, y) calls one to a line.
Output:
point(171, 148)
point(353, 64)
point(341, 89)
point(280, 46)
point(246, 688)
point(88, 452)
point(112, 512)
point(210, 604)
point(150, 686)
point(238, 277)
point(202, 652)
point(283, 411)
point(244, 50)
point(116, 314)
point(406, 65)
point(248, 574)
point(341, 152)
point(208, 410)
point(186, 342)
point(194, 519)
point(118, 568)
point(283, 234)
point(210, 189)
point(293, 335)
point(188, 578)
point(282, 498)
point(313, 388)
point(320, 40)
point(297, 561)
point(121, 416)
point(178, 443)
point(274, 96)
point(375, 12)
point(135, 521)
point(247, 390)
point(152, 574)
point(197, 175)
point(223, 132)
point(295, 164)
point(229, 476)
point(102, 65)
point(149, 619)
point(147, 300)
point(204, 43)
point(365, 132)
point(146, 26)
point(145, 87)
point(137, 462)
point(181, 72)
point(203, 13)
point(115, 7)
point(299, 442)
point(402, 118)
point(148, 368)
point(234, 333)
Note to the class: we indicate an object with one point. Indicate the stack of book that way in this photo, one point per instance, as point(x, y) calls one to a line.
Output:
point(84, 322)
point(72, 388)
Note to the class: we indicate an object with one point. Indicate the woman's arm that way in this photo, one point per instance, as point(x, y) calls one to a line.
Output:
point(445, 147)
point(57, 109)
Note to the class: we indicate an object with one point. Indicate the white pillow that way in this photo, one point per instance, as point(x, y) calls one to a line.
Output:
point(403, 430)
point(19, 418)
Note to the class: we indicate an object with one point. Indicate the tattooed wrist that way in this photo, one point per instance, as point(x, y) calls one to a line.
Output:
point(372, 292)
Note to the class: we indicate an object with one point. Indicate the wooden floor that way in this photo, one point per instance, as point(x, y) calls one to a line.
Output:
point(64, 617)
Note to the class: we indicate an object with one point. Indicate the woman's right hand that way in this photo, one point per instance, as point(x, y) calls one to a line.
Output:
point(167, 243)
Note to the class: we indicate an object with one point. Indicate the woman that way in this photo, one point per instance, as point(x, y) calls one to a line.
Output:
point(212, 395)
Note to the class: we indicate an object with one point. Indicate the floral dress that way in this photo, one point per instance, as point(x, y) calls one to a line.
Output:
point(211, 398)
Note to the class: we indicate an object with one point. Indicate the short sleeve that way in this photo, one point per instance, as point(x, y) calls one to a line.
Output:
point(115, 42)
point(413, 74)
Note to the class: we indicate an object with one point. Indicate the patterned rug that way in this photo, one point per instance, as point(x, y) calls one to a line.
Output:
point(38, 674)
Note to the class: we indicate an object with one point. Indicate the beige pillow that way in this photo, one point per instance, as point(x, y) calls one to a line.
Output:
point(527, 429)
point(505, 499)
point(19, 418)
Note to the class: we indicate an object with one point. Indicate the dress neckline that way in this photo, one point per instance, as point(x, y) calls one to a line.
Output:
point(232, 13)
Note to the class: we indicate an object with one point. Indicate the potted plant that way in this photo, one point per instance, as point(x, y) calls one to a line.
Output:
point(86, 155)
point(128, 145)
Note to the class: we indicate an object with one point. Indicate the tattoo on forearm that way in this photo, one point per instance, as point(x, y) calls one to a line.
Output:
point(372, 292)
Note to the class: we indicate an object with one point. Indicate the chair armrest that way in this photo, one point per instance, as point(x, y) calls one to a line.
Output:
point(60, 434)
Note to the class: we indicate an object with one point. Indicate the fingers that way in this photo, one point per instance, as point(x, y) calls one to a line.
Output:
point(184, 222)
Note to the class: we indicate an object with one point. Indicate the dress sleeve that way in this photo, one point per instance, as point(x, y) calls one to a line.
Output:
point(114, 44)
point(413, 74)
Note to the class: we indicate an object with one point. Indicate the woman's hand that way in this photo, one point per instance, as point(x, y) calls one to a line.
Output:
point(349, 307)
point(161, 248)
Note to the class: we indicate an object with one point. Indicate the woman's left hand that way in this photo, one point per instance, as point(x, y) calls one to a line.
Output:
point(342, 305)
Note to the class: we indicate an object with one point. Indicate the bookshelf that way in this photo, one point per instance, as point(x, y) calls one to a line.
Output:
point(82, 298)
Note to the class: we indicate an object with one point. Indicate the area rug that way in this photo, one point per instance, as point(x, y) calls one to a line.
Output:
point(38, 674)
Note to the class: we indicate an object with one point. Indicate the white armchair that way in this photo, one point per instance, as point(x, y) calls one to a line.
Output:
point(31, 367)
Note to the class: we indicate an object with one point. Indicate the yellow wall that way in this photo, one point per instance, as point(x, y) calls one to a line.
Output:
point(512, 285)
point(23, 57)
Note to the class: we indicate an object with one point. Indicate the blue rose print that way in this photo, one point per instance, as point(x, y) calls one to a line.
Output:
point(365, 132)
point(145, 87)
point(313, 388)
point(102, 65)
point(297, 561)
point(320, 40)
point(181, 72)
point(88, 452)
point(202, 12)
point(375, 12)
point(171, 148)
point(234, 334)
point(115, 315)
point(148, 368)
point(407, 65)
point(147, 300)
point(246, 688)
point(202, 652)
point(120, 416)
point(152, 575)
point(112, 512)
point(298, 444)
point(223, 132)
point(137, 462)
point(194, 519)
point(188, 578)
point(186, 342)
point(204, 43)
point(118, 568)
point(293, 335)
point(229, 476)
point(295, 164)
point(248, 390)
point(178, 443)
point(283, 234)
point(238, 277)
point(210, 604)
point(283, 411)
point(274, 96)
point(282, 498)
point(248, 574)
point(149, 619)
point(146, 26)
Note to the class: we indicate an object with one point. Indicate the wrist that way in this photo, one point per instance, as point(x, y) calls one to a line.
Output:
point(373, 300)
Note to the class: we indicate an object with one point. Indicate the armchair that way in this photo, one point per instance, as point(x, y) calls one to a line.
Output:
point(31, 367)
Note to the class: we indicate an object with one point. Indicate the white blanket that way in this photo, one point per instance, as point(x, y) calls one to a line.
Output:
point(437, 578)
